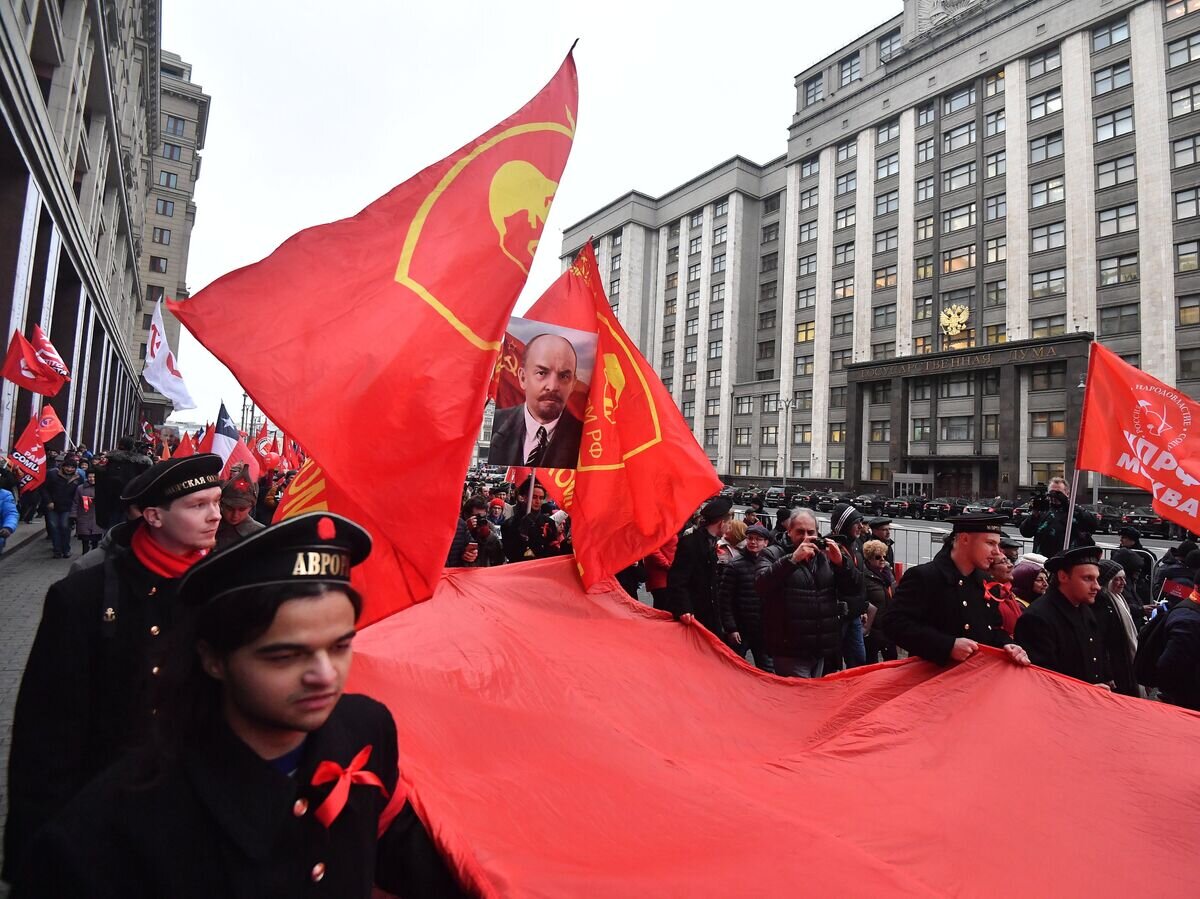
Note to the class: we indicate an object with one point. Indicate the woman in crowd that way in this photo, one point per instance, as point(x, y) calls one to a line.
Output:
point(1029, 578)
point(729, 546)
point(880, 582)
point(1116, 628)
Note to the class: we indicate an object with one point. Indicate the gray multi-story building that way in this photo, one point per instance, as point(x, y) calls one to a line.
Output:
point(170, 210)
point(85, 108)
point(905, 298)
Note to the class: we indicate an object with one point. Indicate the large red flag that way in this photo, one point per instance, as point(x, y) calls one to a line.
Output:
point(24, 368)
point(261, 445)
point(48, 354)
point(29, 458)
point(241, 455)
point(49, 426)
point(641, 473)
point(401, 308)
point(565, 744)
point(1140, 430)
point(186, 446)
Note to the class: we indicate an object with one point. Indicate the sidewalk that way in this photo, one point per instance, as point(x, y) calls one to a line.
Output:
point(26, 571)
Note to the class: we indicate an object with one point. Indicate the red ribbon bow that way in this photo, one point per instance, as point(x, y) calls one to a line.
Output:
point(328, 811)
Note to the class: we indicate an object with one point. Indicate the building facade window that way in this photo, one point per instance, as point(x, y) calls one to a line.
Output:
point(1114, 124)
point(1112, 77)
point(958, 138)
point(1118, 269)
point(1046, 61)
point(1044, 104)
point(1117, 220)
point(158, 264)
point(813, 89)
point(1048, 146)
point(1047, 424)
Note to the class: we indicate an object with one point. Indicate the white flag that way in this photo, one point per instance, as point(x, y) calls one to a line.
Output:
point(160, 371)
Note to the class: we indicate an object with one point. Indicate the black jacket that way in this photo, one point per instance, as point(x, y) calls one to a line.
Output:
point(507, 446)
point(692, 580)
point(1048, 529)
point(800, 615)
point(1179, 665)
point(87, 688)
point(222, 822)
point(1115, 642)
point(111, 479)
point(741, 606)
point(1063, 637)
point(934, 605)
point(59, 489)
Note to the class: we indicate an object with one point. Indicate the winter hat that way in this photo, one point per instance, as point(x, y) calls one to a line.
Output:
point(1025, 572)
point(842, 518)
point(716, 510)
point(497, 502)
point(1108, 570)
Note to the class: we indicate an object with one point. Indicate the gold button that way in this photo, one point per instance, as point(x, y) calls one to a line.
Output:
point(153, 590)
point(154, 630)
point(154, 671)
point(300, 807)
point(966, 627)
point(964, 603)
point(318, 872)
point(960, 582)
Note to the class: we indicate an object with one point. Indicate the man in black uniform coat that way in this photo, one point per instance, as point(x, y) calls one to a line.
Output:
point(692, 579)
point(1059, 630)
point(940, 611)
point(264, 779)
point(101, 644)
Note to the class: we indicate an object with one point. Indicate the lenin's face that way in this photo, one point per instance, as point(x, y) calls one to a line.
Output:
point(547, 376)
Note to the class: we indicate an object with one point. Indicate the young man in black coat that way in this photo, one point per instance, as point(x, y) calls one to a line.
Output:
point(101, 646)
point(692, 580)
point(1059, 630)
point(940, 611)
point(264, 779)
point(741, 606)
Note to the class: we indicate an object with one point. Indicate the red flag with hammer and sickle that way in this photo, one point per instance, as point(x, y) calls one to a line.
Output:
point(641, 473)
point(401, 310)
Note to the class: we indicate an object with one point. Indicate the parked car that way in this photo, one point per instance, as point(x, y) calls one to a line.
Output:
point(943, 507)
point(991, 507)
point(1110, 517)
point(827, 501)
point(728, 491)
point(774, 497)
point(1147, 521)
point(905, 506)
point(802, 497)
point(743, 495)
point(869, 503)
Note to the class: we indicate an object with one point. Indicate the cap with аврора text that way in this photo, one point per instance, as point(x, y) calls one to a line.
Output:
point(318, 547)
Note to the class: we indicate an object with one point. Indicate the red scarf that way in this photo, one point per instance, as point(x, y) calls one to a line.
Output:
point(160, 561)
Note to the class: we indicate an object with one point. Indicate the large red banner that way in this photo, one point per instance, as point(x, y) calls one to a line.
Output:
point(28, 458)
point(561, 744)
point(1139, 430)
point(395, 319)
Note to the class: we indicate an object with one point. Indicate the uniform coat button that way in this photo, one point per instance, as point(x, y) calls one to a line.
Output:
point(964, 603)
point(966, 627)
point(318, 872)
point(154, 671)
point(300, 807)
point(154, 630)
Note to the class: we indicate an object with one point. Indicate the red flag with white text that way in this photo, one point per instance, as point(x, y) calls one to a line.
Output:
point(48, 354)
point(28, 458)
point(1141, 431)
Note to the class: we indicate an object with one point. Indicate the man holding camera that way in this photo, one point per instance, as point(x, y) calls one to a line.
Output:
point(941, 611)
point(1047, 521)
point(800, 580)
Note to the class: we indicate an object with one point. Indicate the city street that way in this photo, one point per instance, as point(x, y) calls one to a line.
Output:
point(26, 572)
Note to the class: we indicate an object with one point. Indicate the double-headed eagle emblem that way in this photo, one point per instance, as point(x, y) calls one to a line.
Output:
point(954, 319)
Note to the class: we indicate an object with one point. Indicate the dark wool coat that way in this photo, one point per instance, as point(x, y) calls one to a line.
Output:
point(221, 821)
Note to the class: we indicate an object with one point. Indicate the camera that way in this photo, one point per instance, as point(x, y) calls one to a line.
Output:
point(820, 543)
point(1040, 502)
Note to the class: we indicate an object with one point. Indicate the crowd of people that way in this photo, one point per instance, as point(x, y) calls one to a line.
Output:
point(805, 604)
point(181, 717)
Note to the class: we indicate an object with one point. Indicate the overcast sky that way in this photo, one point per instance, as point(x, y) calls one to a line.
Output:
point(318, 108)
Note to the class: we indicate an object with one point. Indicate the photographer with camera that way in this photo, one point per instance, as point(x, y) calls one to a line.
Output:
point(1047, 521)
point(800, 580)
